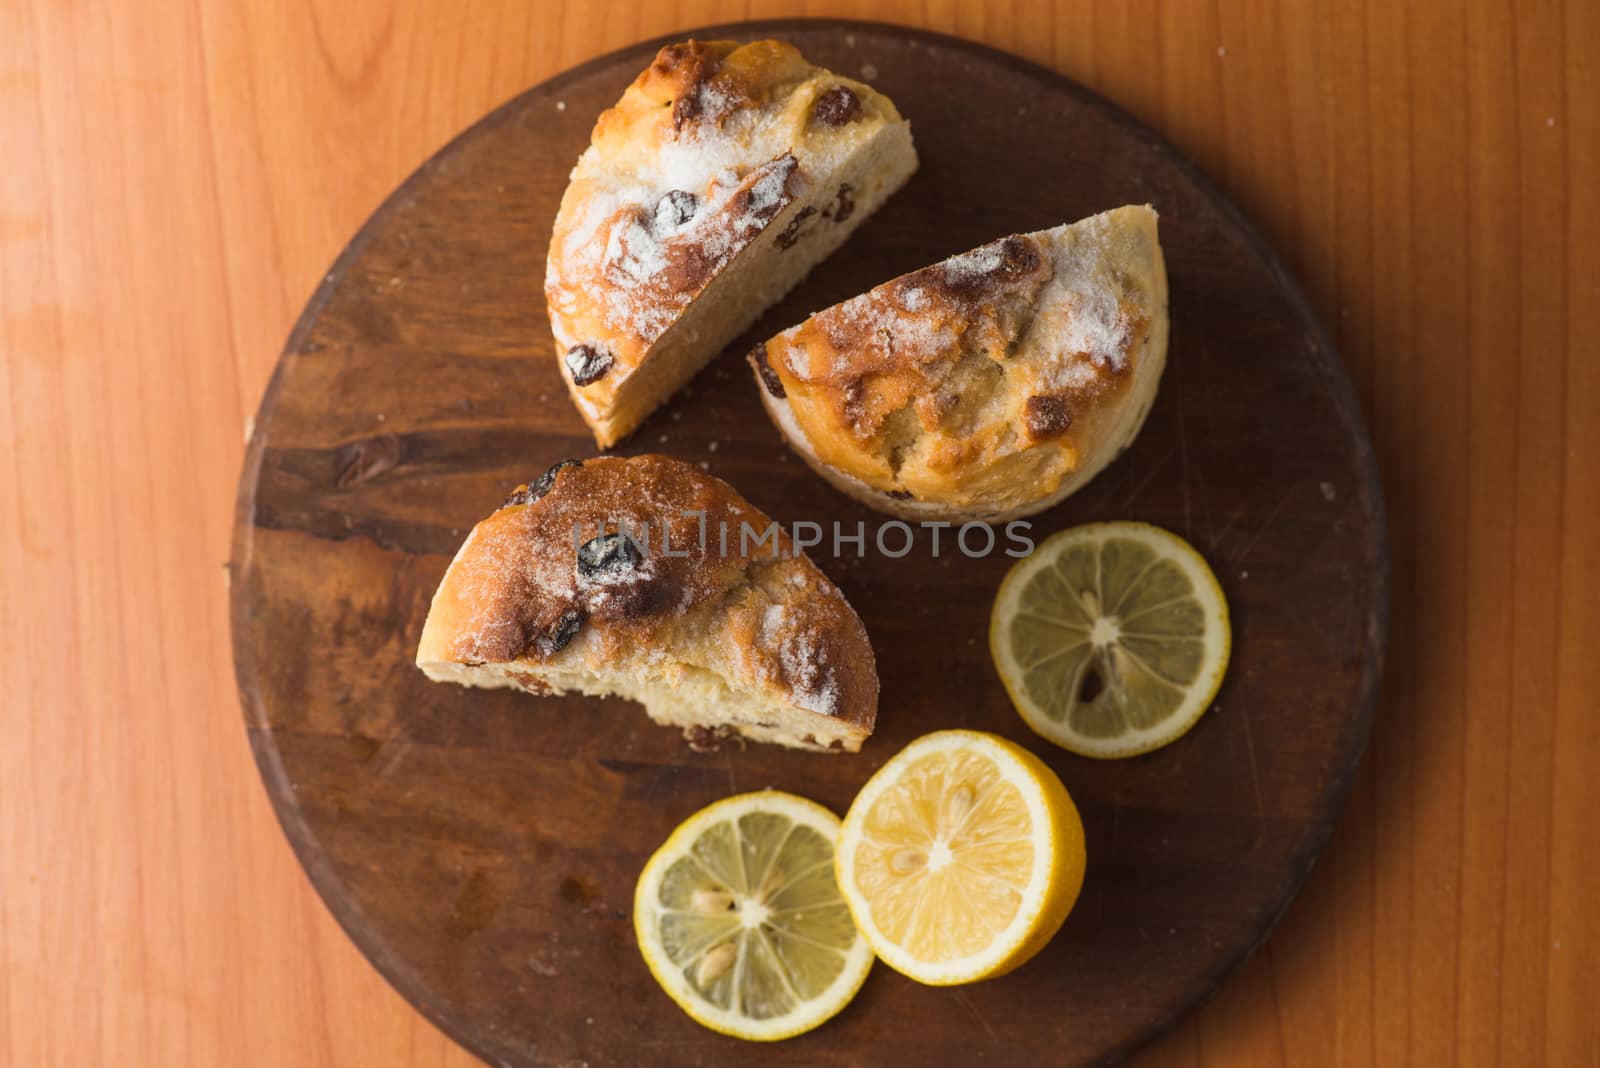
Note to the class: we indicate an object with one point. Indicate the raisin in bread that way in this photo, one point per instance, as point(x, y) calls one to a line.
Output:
point(986, 387)
point(714, 634)
point(722, 176)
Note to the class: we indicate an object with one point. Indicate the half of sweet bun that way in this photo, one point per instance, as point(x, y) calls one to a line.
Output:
point(649, 579)
point(986, 387)
point(723, 175)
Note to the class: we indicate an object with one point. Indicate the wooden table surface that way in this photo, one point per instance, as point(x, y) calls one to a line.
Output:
point(176, 177)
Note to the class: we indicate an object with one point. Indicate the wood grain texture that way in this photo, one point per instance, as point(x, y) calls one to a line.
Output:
point(178, 177)
point(482, 848)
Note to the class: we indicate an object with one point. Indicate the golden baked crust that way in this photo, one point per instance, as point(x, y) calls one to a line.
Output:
point(986, 386)
point(761, 617)
point(711, 144)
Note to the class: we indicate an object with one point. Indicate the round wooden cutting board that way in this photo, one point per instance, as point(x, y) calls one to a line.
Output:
point(481, 847)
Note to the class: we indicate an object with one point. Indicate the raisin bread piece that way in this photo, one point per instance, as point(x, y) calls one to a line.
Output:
point(723, 175)
point(715, 635)
point(986, 387)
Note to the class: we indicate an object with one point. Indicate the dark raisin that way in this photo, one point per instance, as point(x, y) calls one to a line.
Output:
point(676, 209)
point(791, 233)
point(837, 106)
point(1018, 257)
point(978, 275)
point(560, 633)
point(608, 555)
point(1046, 416)
point(899, 495)
point(769, 377)
point(530, 683)
point(703, 739)
point(547, 481)
point(765, 192)
point(540, 486)
point(846, 204)
point(685, 109)
point(586, 363)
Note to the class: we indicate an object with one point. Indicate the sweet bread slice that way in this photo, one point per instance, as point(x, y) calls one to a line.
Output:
point(722, 176)
point(649, 579)
point(986, 387)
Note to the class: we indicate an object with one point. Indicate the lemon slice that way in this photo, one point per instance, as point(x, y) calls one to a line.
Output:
point(960, 858)
point(1111, 638)
point(740, 920)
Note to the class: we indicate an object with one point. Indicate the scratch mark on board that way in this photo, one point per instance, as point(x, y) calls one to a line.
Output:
point(393, 760)
point(1265, 523)
point(1227, 527)
point(1255, 774)
point(1144, 483)
point(1183, 458)
point(961, 996)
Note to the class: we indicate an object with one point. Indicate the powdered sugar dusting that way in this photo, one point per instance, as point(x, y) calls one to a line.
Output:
point(1100, 329)
point(772, 623)
point(1071, 371)
point(811, 682)
point(898, 329)
point(729, 166)
point(643, 572)
point(978, 264)
point(1090, 312)
point(801, 656)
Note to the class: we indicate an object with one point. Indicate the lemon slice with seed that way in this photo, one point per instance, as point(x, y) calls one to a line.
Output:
point(1111, 638)
point(740, 920)
point(961, 857)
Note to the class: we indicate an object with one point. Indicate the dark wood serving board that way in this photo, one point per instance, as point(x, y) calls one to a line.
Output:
point(481, 847)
